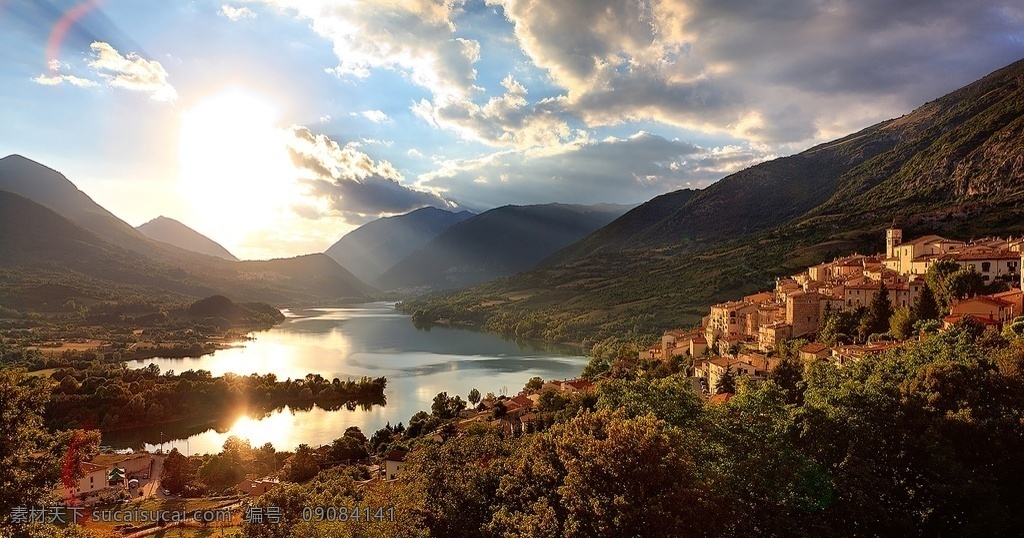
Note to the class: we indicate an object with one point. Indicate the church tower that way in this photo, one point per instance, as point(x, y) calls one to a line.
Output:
point(893, 239)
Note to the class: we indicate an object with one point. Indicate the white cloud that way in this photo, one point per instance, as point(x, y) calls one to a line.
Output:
point(416, 37)
point(351, 184)
point(236, 14)
point(56, 80)
point(508, 120)
point(624, 170)
point(132, 72)
point(375, 116)
point(413, 152)
point(775, 72)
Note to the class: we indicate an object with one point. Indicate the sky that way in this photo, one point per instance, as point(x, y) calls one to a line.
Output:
point(277, 126)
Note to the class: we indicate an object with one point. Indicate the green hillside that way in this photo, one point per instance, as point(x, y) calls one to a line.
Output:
point(952, 167)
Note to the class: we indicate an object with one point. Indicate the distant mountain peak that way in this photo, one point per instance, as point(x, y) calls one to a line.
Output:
point(373, 248)
point(175, 233)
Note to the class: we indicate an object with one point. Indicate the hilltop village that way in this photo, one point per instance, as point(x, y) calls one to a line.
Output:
point(743, 337)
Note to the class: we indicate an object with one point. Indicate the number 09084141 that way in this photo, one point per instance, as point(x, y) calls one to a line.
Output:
point(348, 513)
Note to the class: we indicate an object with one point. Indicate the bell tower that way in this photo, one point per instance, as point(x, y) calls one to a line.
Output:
point(893, 239)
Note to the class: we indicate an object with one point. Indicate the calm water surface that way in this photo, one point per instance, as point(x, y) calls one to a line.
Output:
point(372, 340)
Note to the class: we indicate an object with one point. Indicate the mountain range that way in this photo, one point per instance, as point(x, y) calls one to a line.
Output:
point(954, 166)
point(58, 245)
point(373, 248)
point(54, 236)
point(496, 243)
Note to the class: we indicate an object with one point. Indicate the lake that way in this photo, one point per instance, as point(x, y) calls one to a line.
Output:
point(369, 339)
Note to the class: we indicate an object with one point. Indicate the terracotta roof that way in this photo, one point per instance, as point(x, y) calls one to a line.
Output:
point(814, 347)
point(580, 384)
point(979, 319)
point(721, 398)
point(396, 455)
point(927, 239)
point(981, 256)
point(522, 400)
point(987, 299)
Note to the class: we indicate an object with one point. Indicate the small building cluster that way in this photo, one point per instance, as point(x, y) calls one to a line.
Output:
point(107, 472)
point(736, 335)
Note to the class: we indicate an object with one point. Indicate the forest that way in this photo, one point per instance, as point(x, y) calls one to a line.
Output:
point(922, 440)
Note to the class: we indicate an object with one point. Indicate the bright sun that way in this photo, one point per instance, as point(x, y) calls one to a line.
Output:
point(235, 170)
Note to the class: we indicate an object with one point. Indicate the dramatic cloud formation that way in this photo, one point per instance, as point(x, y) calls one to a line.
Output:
point(235, 13)
point(416, 37)
point(507, 120)
point(614, 169)
point(761, 79)
point(351, 182)
point(772, 72)
point(132, 72)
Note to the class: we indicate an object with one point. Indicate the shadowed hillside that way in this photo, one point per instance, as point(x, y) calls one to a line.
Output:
point(373, 248)
point(175, 233)
point(496, 243)
point(954, 166)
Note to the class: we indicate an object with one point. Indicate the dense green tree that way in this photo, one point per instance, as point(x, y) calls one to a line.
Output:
point(447, 407)
point(458, 480)
point(550, 401)
point(789, 376)
point(27, 476)
point(178, 472)
point(220, 472)
point(727, 382)
point(474, 397)
point(1014, 329)
point(901, 324)
point(926, 306)
point(499, 411)
point(670, 399)
point(534, 384)
point(355, 433)
point(346, 448)
point(289, 500)
point(422, 423)
point(935, 279)
point(879, 311)
point(303, 465)
point(839, 326)
point(602, 474)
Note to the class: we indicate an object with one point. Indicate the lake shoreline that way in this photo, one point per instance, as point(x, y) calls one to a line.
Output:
point(372, 339)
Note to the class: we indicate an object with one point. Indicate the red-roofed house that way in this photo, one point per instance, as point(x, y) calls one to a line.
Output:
point(814, 350)
point(721, 398)
point(985, 307)
point(393, 463)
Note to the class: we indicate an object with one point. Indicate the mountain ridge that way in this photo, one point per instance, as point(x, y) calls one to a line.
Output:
point(953, 166)
point(133, 257)
point(496, 243)
point(175, 233)
point(373, 248)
